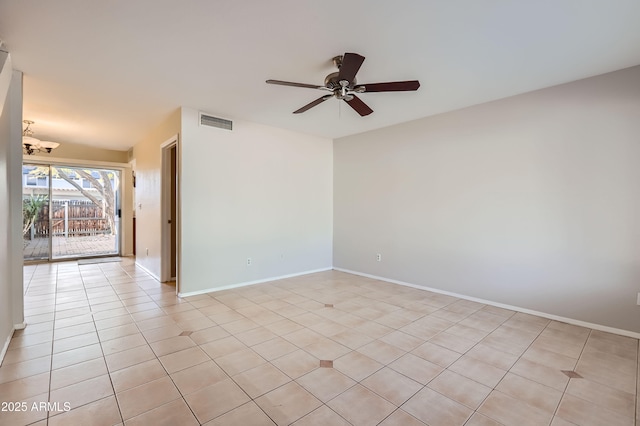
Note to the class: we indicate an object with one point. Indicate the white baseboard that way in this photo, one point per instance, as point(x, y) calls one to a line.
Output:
point(147, 271)
point(20, 326)
point(248, 283)
point(572, 321)
point(5, 347)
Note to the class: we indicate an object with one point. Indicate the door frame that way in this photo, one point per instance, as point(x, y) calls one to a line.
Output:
point(165, 211)
point(72, 162)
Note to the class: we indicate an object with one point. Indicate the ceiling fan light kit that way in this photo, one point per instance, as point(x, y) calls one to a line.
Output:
point(343, 85)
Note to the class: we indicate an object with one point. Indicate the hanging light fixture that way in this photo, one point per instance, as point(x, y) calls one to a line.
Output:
point(31, 145)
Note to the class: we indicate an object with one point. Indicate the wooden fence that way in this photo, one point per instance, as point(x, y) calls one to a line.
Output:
point(71, 218)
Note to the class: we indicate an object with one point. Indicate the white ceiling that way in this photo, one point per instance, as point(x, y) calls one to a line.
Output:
point(105, 72)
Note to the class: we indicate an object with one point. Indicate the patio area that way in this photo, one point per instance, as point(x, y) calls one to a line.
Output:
point(94, 245)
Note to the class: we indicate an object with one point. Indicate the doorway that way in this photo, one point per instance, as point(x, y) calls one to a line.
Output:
point(70, 212)
point(170, 212)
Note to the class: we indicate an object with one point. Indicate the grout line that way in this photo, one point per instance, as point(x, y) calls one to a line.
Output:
point(509, 370)
point(104, 358)
point(154, 353)
point(308, 293)
point(53, 339)
point(555, 412)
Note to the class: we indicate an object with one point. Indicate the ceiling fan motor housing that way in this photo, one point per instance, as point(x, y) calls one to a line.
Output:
point(332, 81)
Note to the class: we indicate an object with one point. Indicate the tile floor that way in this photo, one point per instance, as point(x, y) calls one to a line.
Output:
point(329, 348)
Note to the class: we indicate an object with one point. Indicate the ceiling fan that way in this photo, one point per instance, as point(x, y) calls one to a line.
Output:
point(343, 85)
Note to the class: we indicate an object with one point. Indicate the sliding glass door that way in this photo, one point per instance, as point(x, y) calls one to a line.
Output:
point(35, 212)
point(78, 211)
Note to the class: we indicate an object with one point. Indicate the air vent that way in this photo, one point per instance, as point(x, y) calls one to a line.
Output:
point(221, 123)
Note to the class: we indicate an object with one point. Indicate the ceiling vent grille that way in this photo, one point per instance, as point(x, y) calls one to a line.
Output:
point(211, 121)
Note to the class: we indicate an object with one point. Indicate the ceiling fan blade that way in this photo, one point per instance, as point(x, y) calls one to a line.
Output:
point(394, 86)
point(359, 106)
point(290, 83)
point(312, 104)
point(351, 63)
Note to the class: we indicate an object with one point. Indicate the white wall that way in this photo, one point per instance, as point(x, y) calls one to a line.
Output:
point(87, 152)
point(148, 161)
point(531, 201)
point(254, 192)
point(11, 294)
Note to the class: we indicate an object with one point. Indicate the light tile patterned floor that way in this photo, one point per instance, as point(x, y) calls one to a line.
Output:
point(117, 346)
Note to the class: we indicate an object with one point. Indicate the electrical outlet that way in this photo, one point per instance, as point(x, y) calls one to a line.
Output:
point(248, 261)
point(638, 299)
point(379, 257)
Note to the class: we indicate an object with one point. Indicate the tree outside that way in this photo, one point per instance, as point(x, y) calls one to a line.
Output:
point(31, 209)
point(83, 203)
point(104, 185)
